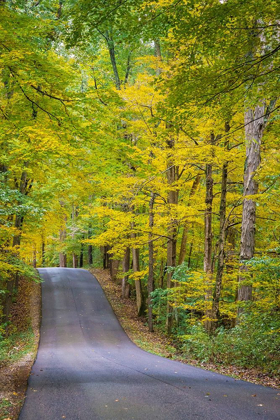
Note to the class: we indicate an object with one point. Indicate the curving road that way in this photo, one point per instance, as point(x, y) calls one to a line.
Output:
point(88, 369)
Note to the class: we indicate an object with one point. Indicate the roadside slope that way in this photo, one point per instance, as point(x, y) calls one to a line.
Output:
point(157, 343)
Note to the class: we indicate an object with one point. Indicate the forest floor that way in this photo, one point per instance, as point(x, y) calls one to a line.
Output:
point(15, 367)
point(157, 343)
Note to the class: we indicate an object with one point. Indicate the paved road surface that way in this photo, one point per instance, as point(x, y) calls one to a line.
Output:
point(88, 369)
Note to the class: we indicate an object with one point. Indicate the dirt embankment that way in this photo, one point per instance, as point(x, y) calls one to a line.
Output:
point(15, 370)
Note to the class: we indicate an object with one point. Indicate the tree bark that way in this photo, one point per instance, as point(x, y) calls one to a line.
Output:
point(173, 194)
point(90, 255)
point(157, 53)
point(254, 126)
point(125, 267)
point(151, 263)
point(183, 248)
point(138, 285)
point(62, 255)
point(208, 235)
point(43, 253)
point(128, 68)
point(114, 267)
point(111, 48)
point(106, 259)
point(82, 255)
point(221, 242)
point(62, 237)
point(34, 258)
point(221, 249)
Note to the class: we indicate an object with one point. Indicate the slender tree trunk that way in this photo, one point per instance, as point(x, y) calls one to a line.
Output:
point(221, 243)
point(114, 267)
point(62, 255)
point(74, 256)
point(173, 194)
point(82, 255)
point(254, 126)
point(34, 257)
point(151, 263)
point(111, 48)
point(43, 253)
point(162, 272)
point(75, 260)
point(208, 234)
point(221, 249)
point(59, 10)
point(106, 260)
point(190, 254)
point(138, 285)
point(183, 248)
point(128, 67)
point(62, 237)
point(125, 267)
point(90, 255)
point(157, 53)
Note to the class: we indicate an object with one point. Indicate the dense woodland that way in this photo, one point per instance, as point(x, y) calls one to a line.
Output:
point(143, 136)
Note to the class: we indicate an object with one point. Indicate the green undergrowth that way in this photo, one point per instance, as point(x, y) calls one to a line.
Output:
point(5, 404)
point(16, 346)
point(253, 343)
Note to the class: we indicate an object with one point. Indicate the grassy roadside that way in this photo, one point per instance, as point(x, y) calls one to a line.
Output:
point(159, 344)
point(18, 351)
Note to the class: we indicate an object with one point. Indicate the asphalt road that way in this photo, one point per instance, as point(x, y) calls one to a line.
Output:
point(88, 369)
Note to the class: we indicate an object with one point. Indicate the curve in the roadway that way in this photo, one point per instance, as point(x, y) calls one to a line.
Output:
point(88, 369)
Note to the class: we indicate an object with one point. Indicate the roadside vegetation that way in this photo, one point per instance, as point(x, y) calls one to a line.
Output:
point(216, 354)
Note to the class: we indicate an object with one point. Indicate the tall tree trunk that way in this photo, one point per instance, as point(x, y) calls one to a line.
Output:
point(128, 67)
point(90, 259)
point(125, 267)
point(62, 255)
point(82, 255)
point(111, 47)
point(161, 273)
point(208, 234)
point(43, 253)
point(173, 194)
point(114, 268)
point(74, 256)
point(151, 263)
point(34, 257)
point(190, 253)
point(62, 237)
point(254, 126)
point(75, 260)
point(157, 53)
point(183, 248)
point(221, 248)
point(221, 243)
point(106, 258)
point(138, 285)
